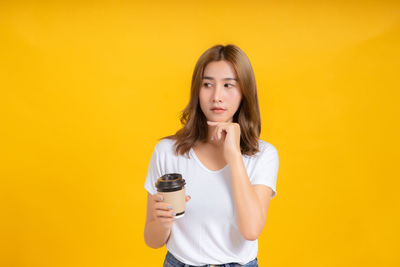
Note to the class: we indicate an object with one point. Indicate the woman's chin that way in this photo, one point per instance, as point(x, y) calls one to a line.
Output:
point(219, 119)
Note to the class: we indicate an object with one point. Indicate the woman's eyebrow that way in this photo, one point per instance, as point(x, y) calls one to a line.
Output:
point(211, 78)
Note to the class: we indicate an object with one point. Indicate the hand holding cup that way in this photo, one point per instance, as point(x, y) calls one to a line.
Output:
point(163, 211)
point(170, 198)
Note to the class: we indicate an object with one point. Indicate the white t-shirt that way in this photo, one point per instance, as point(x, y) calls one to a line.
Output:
point(208, 232)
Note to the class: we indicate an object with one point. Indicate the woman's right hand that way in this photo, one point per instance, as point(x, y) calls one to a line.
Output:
point(162, 213)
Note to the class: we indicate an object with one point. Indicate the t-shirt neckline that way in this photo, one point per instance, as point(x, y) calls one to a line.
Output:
point(202, 165)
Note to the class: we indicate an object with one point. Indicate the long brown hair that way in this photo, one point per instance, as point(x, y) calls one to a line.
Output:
point(247, 116)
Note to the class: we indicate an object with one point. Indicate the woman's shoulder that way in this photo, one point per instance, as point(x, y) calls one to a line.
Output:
point(165, 145)
point(265, 148)
point(264, 145)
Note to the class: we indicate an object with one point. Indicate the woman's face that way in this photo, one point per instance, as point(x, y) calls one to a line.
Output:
point(220, 94)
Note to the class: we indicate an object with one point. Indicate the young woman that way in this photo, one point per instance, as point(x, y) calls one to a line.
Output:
point(230, 173)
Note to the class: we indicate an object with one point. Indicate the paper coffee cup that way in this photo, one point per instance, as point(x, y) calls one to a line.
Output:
point(172, 187)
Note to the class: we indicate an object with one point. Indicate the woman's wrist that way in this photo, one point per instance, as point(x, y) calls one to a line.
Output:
point(234, 157)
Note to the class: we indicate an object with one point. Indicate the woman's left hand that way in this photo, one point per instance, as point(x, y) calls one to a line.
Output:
point(229, 134)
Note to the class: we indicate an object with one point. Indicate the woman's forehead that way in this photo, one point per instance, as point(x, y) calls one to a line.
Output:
point(220, 70)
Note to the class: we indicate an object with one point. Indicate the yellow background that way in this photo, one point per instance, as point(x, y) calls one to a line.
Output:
point(87, 88)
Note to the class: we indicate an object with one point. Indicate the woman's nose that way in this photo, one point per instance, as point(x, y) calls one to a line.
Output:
point(217, 94)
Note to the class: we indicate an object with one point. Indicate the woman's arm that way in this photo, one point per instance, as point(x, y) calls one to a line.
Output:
point(155, 234)
point(251, 201)
point(159, 221)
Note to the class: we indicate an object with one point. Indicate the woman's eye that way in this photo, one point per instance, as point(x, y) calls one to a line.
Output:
point(205, 84)
point(229, 84)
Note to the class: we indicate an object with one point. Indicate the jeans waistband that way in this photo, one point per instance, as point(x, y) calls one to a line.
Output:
point(170, 258)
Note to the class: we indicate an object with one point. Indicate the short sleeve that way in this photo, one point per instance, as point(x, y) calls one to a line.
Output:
point(153, 172)
point(266, 168)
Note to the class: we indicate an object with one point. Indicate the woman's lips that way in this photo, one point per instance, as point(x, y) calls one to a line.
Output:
point(218, 110)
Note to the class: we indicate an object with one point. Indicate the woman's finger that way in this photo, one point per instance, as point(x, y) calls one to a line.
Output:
point(213, 134)
point(216, 132)
point(158, 198)
point(219, 133)
point(165, 214)
point(222, 128)
point(212, 123)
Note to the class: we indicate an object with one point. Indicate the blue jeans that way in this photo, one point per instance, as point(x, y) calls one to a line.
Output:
point(171, 261)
